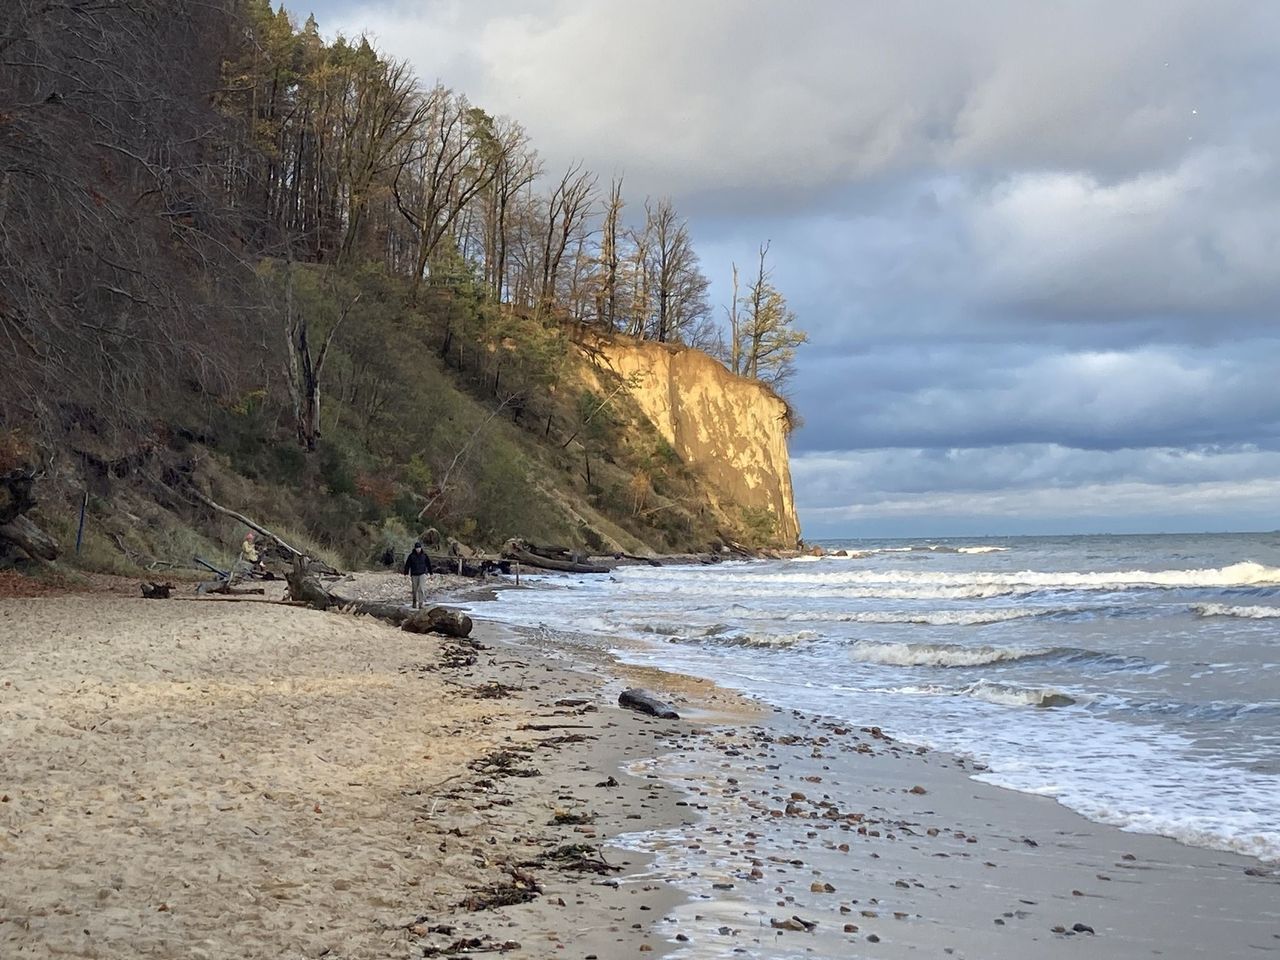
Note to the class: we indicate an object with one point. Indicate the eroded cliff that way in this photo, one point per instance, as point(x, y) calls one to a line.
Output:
point(733, 431)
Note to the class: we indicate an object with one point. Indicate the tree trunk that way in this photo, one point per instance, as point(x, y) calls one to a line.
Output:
point(38, 544)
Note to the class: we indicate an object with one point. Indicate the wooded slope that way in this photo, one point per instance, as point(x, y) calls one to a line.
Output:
point(235, 255)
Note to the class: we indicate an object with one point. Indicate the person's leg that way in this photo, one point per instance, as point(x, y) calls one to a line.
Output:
point(417, 590)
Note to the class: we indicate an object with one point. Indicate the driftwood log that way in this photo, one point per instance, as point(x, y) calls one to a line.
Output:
point(224, 574)
point(224, 588)
point(473, 567)
point(292, 552)
point(306, 587)
point(16, 500)
point(25, 534)
point(451, 623)
point(516, 549)
point(650, 561)
point(645, 702)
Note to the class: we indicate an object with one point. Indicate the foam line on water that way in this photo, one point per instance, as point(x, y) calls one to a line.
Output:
point(1230, 610)
point(959, 655)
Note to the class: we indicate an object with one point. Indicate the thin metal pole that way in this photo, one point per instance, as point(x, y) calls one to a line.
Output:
point(84, 505)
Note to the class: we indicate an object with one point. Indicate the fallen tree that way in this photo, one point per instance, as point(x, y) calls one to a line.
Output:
point(16, 528)
point(305, 586)
point(560, 559)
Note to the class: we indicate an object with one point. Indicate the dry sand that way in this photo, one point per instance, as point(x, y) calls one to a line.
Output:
point(240, 779)
point(243, 779)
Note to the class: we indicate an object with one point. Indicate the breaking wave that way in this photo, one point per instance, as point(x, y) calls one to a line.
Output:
point(1009, 695)
point(958, 655)
point(1003, 694)
point(937, 618)
point(743, 639)
point(1227, 610)
point(861, 553)
point(978, 585)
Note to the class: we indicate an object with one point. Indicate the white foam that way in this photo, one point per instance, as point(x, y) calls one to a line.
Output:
point(1234, 823)
point(936, 618)
point(983, 550)
point(1001, 694)
point(1227, 610)
point(1243, 574)
point(939, 654)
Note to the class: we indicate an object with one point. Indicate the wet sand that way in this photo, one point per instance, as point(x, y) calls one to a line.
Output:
point(223, 779)
point(822, 839)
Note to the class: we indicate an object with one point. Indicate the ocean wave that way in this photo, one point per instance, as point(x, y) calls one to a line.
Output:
point(680, 630)
point(955, 618)
point(1214, 710)
point(1227, 610)
point(776, 641)
point(1008, 695)
point(1003, 694)
point(933, 618)
point(978, 585)
point(959, 655)
point(846, 553)
point(939, 654)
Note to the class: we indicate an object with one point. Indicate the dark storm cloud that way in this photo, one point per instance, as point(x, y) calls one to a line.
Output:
point(1035, 244)
point(984, 396)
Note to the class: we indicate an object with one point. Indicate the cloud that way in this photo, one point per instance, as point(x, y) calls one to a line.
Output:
point(1197, 239)
point(1035, 487)
point(753, 95)
point(974, 397)
point(1034, 245)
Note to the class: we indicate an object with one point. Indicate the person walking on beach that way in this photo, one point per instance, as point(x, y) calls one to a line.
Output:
point(417, 565)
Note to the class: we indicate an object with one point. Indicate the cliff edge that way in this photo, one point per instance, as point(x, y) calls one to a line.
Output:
point(731, 430)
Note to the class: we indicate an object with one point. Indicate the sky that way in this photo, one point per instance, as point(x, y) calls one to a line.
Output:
point(1036, 246)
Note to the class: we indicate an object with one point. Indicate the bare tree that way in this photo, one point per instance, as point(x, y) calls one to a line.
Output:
point(380, 113)
point(447, 164)
point(610, 258)
point(567, 211)
point(733, 358)
point(305, 366)
point(516, 166)
point(680, 287)
point(109, 188)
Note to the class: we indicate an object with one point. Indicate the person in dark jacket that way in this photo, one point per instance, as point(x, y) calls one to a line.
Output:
point(417, 565)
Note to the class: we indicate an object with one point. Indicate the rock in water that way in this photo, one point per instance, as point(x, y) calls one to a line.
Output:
point(451, 623)
point(646, 702)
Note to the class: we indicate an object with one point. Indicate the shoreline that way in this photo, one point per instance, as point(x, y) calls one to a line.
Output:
point(1147, 894)
point(439, 814)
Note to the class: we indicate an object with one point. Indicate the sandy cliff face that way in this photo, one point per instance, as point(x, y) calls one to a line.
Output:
point(732, 430)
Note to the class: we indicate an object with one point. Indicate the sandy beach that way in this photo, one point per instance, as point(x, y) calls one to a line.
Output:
point(244, 779)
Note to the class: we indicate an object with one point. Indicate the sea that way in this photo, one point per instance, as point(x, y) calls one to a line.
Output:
point(1135, 679)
